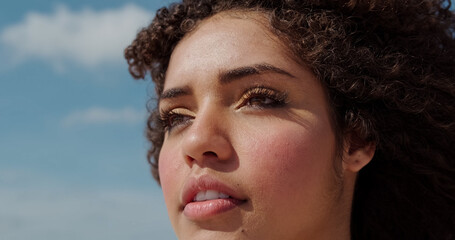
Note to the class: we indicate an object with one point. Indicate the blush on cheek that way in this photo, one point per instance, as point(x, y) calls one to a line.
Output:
point(289, 160)
point(285, 152)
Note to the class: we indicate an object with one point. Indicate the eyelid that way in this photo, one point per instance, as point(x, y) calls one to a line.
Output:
point(176, 110)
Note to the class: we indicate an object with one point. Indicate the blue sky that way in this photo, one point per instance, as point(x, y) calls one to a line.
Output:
point(72, 148)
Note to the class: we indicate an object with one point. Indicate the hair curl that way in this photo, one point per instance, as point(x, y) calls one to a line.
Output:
point(389, 70)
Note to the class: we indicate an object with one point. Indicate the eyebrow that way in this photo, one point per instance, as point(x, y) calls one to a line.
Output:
point(228, 76)
point(237, 73)
point(174, 93)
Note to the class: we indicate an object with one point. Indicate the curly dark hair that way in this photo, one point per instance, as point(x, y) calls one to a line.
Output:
point(389, 70)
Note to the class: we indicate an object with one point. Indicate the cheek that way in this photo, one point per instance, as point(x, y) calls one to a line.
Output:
point(168, 177)
point(291, 161)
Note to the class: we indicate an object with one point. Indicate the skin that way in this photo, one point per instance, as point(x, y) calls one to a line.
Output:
point(281, 159)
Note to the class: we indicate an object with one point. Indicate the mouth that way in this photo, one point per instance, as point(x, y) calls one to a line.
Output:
point(209, 195)
point(206, 197)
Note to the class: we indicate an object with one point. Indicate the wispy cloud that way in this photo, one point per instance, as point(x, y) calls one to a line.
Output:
point(98, 115)
point(34, 209)
point(86, 37)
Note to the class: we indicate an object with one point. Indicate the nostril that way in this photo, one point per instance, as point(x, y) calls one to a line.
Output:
point(210, 153)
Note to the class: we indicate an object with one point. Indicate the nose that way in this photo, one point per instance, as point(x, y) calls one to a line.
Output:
point(207, 140)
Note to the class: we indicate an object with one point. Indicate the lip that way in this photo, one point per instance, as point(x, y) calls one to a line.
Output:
point(207, 209)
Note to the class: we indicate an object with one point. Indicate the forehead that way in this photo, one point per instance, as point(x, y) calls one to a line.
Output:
point(224, 41)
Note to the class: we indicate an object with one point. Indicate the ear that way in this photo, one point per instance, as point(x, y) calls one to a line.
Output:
point(357, 157)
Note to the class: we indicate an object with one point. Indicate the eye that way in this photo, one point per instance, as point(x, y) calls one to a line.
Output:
point(263, 97)
point(260, 101)
point(174, 118)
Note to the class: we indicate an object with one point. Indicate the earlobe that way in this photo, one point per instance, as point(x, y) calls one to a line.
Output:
point(355, 159)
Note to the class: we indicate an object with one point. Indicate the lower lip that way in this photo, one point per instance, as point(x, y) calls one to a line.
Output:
point(206, 209)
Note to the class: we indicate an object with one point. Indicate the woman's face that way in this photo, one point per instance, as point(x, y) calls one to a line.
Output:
point(249, 149)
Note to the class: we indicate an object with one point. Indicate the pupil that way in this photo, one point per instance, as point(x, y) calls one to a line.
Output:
point(260, 100)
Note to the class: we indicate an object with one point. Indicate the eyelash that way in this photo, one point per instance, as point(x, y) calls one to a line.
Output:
point(170, 119)
point(278, 99)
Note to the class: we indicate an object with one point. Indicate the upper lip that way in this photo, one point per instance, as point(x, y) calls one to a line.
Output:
point(204, 183)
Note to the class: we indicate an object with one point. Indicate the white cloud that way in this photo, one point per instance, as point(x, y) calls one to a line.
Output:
point(97, 115)
point(86, 37)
